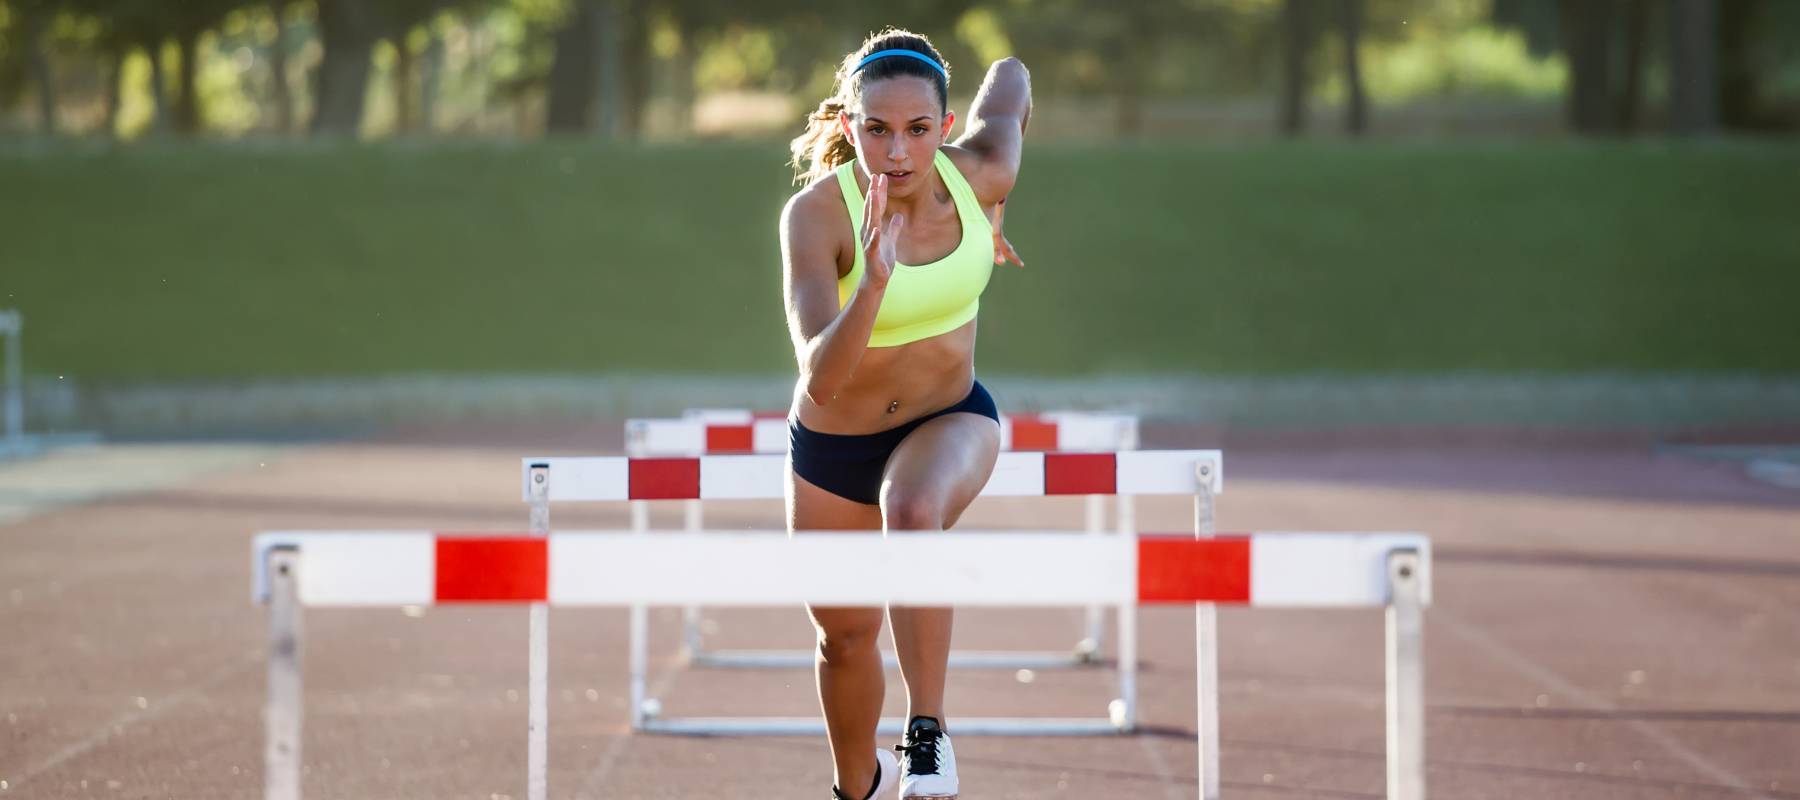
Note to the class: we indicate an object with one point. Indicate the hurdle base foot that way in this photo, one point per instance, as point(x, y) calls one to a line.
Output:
point(889, 726)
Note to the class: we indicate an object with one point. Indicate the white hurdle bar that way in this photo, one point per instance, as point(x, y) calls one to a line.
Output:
point(295, 569)
point(736, 432)
point(760, 477)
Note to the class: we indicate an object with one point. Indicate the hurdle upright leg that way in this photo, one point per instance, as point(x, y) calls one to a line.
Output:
point(1206, 650)
point(1094, 632)
point(1405, 679)
point(694, 515)
point(282, 709)
point(537, 745)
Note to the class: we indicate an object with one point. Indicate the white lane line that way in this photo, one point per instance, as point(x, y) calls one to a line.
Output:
point(1520, 663)
point(117, 726)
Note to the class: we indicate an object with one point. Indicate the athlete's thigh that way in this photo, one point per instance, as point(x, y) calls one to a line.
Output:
point(810, 508)
point(946, 460)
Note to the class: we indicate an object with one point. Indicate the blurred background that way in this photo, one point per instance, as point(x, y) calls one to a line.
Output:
point(220, 216)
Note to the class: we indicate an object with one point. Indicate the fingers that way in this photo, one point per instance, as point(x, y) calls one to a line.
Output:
point(878, 187)
point(1004, 252)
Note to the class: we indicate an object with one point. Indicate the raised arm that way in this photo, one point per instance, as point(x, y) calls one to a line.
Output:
point(995, 134)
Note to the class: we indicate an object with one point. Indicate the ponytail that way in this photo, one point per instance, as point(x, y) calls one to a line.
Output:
point(823, 147)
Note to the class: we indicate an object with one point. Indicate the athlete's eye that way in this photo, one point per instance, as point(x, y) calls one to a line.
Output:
point(877, 130)
point(920, 130)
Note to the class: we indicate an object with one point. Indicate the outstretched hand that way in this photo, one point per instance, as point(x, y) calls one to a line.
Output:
point(880, 237)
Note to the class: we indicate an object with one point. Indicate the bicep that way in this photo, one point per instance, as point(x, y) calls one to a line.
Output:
point(995, 144)
point(809, 274)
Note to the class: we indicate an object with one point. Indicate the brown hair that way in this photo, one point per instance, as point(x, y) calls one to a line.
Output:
point(823, 146)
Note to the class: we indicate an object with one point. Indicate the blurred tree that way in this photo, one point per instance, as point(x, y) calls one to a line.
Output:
point(281, 94)
point(348, 30)
point(187, 21)
point(1356, 112)
point(1693, 60)
point(1537, 19)
point(1745, 27)
point(1604, 43)
point(30, 55)
point(1111, 48)
point(1296, 47)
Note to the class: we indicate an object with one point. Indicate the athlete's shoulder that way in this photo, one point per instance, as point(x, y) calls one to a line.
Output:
point(819, 200)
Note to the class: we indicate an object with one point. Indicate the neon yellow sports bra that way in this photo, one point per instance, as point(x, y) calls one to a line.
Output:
point(928, 299)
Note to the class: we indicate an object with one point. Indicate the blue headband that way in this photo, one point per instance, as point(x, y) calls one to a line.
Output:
point(908, 53)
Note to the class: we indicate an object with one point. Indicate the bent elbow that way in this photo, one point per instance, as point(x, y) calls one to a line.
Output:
point(818, 392)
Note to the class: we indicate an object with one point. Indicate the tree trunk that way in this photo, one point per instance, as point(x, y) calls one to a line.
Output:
point(430, 75)
point(1693, 67)
point(159, 88)
point(1356, 105)
point(1631, 93)
point(1587, 34)
point(115, 87)
point(572, 73)
point(683, 92)
point(635, 51)
point(406, 109)
point(1737, 76)
point(187, 104)
point(1294, 51)
point(37, 25)
point(347, 31)
point(282, 97)
point(609, 66)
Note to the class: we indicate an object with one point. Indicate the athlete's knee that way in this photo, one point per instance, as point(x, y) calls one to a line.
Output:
point(906, 510)
point(841, 641)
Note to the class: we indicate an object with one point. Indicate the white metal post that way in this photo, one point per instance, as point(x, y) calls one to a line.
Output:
point(1206, 649)
point(1094, 632)
point(638, 615)
point(537, 748)
point(1405, 679)
point(1125, 507)
point(13, 326)
point(638, 641)
point(282, 709)
point(1124, 711)
point(695, 515)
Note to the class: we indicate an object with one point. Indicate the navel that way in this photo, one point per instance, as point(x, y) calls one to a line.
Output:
point(894, 406)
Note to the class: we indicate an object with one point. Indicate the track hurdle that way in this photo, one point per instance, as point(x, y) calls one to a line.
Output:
point(760, 477)
point(299, 569)
point(735, 432)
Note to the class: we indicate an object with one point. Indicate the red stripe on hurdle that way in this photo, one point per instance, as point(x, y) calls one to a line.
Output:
point(1031, 433)
point(492, 570)
point(1080, 473)
point(730, 438)
point(664, 479)
point(1182, 569)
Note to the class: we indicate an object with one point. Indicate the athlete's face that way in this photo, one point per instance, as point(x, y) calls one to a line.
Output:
point(897, 129)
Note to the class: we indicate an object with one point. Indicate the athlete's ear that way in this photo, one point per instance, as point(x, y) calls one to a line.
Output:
point(949, 124)
point(844, 123)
